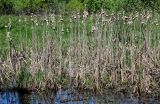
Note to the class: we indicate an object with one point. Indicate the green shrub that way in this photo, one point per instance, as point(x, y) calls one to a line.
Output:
point(131, 5)
point(11, 6)
point(93, 5)
point(112, 5)
point(27, 4)
point(75, 5)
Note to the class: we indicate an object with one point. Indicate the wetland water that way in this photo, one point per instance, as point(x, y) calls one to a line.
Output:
point(71, 97)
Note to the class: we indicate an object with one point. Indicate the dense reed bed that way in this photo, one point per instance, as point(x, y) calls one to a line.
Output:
point(88, 51)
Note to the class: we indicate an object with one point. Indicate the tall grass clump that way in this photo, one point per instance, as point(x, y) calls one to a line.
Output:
point(87, 51)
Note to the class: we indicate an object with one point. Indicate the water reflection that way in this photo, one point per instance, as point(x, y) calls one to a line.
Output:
point(72, 97)
point(9, 98)
point(68, 97)
point(62, 97)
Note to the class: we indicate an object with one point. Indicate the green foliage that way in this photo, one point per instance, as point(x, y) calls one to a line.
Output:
point(24, 77)
point(131, 5)
point(10, 6)
point(89, 81)
point(159, 3)
point(21, 4)
point(6, 6)
point(74, 5)
point(93, 5)
point(112, 5)
point(39, 75)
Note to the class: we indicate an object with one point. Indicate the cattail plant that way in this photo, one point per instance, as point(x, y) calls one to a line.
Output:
point(88, 51)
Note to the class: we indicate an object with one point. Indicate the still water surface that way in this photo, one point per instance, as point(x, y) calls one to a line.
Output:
point(70, 97)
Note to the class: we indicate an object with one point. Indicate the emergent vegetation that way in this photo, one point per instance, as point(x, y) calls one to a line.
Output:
point(89, 51)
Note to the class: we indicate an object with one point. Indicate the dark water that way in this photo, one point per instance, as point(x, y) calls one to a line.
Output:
point(71, 97)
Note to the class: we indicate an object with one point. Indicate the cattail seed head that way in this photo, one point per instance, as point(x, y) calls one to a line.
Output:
point(74, 17)
point(67, 30)
point(130, 22)
point(62, 30)
point(93, 29)
point(9, 35)
point(53, 18)
point(32, 19)
point(25, 19)
point(78, 16)
point(125, 18)
point(70, 20)
point(19, 20)
point(143, 22)
point(61, 19)
point(85, 14)
point(102, 12)
point(9, 24)
point(47, 22)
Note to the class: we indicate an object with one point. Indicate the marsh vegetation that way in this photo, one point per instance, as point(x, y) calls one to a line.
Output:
point(81, 50)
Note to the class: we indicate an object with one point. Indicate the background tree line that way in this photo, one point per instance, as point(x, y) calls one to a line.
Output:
point(28, 6)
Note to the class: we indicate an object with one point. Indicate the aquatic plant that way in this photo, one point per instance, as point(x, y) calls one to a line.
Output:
point(92, 51)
